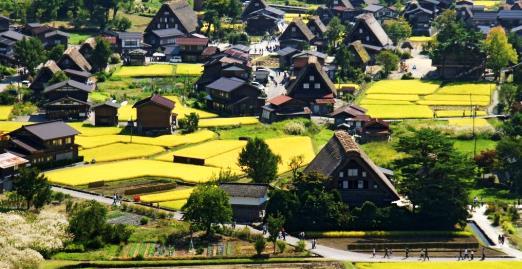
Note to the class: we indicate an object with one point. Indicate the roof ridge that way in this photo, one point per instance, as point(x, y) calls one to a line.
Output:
point(347, 142)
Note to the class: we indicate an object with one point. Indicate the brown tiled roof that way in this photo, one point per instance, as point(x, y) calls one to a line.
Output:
point(352, 110)
point(340, 148)
point(74, 54)
point(279, 100)
point(9, 160)
point(158, 100)
point(191, 41)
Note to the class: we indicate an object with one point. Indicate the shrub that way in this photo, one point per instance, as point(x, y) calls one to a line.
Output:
point(199, 250)
point(507, 226)
point(260, 245)
point(74, 248)
point(58, 196)
point(301, 246)
point(115, 58)
point(243, 234)
point(496, 219)
point(294, 128)
point(407, 76)
point(281, 246)
point(144, 221)
point(138, 257)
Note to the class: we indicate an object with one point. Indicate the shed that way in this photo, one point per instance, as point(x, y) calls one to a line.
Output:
point(248, 201)
point(106, 114)
point(155, 115)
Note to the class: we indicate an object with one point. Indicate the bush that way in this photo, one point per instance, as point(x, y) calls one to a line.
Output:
point(144, 221)
point(243, 234)
point(260, 245)
point(507, 226)
point(199, 250)
point(496, 219)
point(407, 76)
point(294, 128)
point(117, 233)
point(301, 246)
point(74, 248)
point(281, 246)
point(58, 196)
point(115, 58)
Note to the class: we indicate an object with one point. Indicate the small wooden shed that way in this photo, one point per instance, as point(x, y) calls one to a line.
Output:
point(106, 114)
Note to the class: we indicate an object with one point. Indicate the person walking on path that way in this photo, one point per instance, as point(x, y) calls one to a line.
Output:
point(314, 242)
point(373, 253)
point(386, 253)
point(406, 253)
point(483, 254)
point(265, 229)
point(234, 224)
point(472, 255)
point(460, 255)
point(421, 256)
point(283, 233)
point(465, 254)
point(426, 255)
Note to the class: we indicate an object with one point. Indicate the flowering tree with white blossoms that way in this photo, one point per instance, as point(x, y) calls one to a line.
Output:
point(24, 238)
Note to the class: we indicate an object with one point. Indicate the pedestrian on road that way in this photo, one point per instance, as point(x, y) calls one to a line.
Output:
point(472, 255)
point(426, 255)
point(421, 256)
point(313, 243)
point(234, 224)
point(265, 229)
point(373, 253)
point(386, 253)
point(483, 254)
point(406, 253)
point(283, 233)
point(500, 239)
point(460, 255)
point(465, 254)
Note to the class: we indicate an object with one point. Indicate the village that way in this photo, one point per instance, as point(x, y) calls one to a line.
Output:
point(355, 134)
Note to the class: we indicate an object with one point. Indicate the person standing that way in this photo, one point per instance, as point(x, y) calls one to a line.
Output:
point(471, 255)
point(373, 253)
point(426, 255)
point(460, 255)
point(483, 254)
point(406, 253)
point(265, 229)
point(386, 253)
point(465, 254)
point(421, 256)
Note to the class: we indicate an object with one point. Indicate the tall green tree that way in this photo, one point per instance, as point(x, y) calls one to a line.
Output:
point(56, 52)
point(207, 205)
point(433, 177)
point(234, 9)
point(87, 221)
point(509, 162)
point(398, 30)
point(388, 60)
point(30, 53)
point(508, 95)
point(258, 162)
point(274, 226)
point(101, 54)
point(33, 186)
point(334, 33)
point(500, 52)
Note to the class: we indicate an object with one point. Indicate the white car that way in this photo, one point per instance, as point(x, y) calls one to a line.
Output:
point(258, 85)
point(26, 83)
point(175, 59)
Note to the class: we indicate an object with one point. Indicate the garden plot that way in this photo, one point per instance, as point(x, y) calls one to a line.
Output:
point(119, 151)
point(164, 140)
point(122, 170)
point(178, 194)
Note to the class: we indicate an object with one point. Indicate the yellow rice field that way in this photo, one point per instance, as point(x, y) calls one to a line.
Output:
point(340, 86)
point(126, 113)
point(177, 194)
point(468, 122)
point(420, 38)
point(89, 130)
point(457, 97)
point(458, 113)
point(413, 86)
point(5, 111)
point(392, 97)
point(468, 88)
point(8, 126)
point(174, 205)
point(119, 151)
point(187, 69)
point(209, 149)
point(399, 111)
point(154, 70)
point(451, 103)
point(113, 171)
point(183, 110)
point(385, 102)
point(487, 4)
point(164, 140)
point(227, 160)
point(220, 122)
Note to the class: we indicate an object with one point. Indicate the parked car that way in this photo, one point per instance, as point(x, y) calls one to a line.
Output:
point(26, 83)
point(175, 59)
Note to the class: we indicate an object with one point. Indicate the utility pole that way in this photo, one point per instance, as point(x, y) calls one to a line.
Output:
point(473, 114)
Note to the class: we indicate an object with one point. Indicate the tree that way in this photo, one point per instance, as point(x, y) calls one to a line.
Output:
point(258, 161)
point(432, 176)
point(398, 30)
point(295, 163)
point(334, 33)
point(30, 53)
point(101, 54)
point(208, 204)
point(485, 161)
point(121, 23)
point(58, 77)
point(190, 123)
point(513, 126)
point(211, 17)
point(509, 159)
point(388, 60)
point(499, 51)
point(508, 95)
point(33, 186)
point(274, 225)
point(87, 221)
point(347, 71)
point(56, 52)
point(234, 9)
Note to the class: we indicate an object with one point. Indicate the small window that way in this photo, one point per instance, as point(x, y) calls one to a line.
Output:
point(341, 174)
point(306, 85)
point(367, 38)
point(317, 86)
point(293, 29)
point(312, 78)
point(364, 173)
point(375, 186)
point(158, 26)
point(256, 4)
point(345, 184)
point(360, 30)
point(352, 172)
point(166, 13)
point(360, 184)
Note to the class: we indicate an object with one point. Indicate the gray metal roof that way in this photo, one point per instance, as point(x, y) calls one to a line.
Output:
point(130, 35)
point(226, 84)
point(10, 34)
point(245, 190)
point(510, 14)
point(51, 130)
point(168, 32)
point(373, 8)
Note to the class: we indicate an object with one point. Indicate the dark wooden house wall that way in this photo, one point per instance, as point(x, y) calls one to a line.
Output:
point(67, 91)
point(363, 33)
point(152, 116)
point(261, 25)
point(165, 19)
point(105, 116)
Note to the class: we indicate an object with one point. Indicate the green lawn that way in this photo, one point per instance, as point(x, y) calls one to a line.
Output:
point(467, 146)
point(106, 253)
point(76, 38)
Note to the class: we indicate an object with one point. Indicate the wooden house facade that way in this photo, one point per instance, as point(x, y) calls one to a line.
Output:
point(44, 143)
point(10, 165)
point(296, 35)
point(284, 107)
point(352, 172)
point(67, 100)
point(191, 48)
point(154, 115)
point(234, 96)
point(248, 200)
point(106, 114)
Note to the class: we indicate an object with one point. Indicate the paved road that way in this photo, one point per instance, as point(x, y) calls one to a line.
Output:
point(7, 81)
point(343, 255)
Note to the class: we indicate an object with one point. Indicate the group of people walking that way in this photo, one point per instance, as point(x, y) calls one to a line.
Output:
point(466, 254)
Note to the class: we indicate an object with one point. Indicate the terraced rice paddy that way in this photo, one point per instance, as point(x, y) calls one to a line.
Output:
point(220, 122)
point(5, 111)
point(160, 70)
point(178, 194)
point(183, 110)
point(119, 151)
point(174, 205)
point(398, 99)
point(122, 170)
point(469, 122)
point(210, 149)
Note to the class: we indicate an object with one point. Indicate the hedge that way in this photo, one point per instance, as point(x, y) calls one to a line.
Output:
point(358, 234)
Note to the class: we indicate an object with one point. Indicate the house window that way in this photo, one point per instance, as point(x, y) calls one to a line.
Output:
point(345, 184)
point(364, 173)
point(312, 78)
point(360, 30)
point(317, 86)
point(166, 13)
point(367, 38)
point(341, 174)
point(293, 29)
point(352, 172)
point(375, 186)
point(256, 4)
point(306, 85)
point(158, 25)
